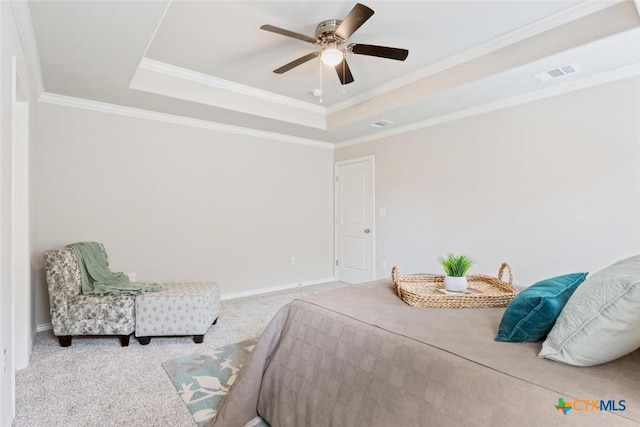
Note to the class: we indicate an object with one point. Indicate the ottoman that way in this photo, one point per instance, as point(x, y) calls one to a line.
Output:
point(178, 309)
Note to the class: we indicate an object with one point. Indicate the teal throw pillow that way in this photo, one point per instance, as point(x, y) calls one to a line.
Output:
point(533, 312)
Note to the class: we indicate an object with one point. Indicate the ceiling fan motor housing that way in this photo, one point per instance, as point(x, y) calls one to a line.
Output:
point(325, 31)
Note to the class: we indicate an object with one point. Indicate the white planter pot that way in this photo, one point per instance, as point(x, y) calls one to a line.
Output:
point(455, 284)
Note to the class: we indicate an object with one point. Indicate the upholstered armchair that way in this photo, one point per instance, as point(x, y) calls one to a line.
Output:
point(73, 313)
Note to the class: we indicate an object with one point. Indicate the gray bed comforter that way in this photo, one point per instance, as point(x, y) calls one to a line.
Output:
point(359, 356)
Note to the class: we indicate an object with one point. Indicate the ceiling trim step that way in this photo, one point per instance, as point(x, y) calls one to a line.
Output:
point(104, 107)
point(595, 80)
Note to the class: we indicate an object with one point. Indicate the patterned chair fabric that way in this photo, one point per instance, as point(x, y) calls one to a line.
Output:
point(73, 313)
point(188, 308)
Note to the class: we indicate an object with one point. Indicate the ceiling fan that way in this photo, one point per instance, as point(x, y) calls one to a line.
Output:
point(331, 35)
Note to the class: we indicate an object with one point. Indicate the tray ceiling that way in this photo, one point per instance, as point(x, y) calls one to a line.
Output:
point(209, 61)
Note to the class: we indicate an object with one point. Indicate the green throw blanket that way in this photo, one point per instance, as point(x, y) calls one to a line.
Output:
point(98, 279)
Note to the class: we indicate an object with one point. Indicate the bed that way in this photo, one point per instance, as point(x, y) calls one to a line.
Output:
point(359, 356)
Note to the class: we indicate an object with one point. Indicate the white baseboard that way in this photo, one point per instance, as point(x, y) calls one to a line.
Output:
point(47, 326)
point(261, 291)
point(43, 327)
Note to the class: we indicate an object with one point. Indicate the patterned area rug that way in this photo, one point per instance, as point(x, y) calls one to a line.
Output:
point(204, 380)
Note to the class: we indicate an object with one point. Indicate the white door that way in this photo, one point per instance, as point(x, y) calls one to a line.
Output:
point(354, 205)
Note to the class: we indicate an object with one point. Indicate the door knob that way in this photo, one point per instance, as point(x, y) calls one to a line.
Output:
point(366, 230)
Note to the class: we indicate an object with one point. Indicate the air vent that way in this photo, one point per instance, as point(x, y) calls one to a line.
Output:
point(556, 73)
point(381, 124)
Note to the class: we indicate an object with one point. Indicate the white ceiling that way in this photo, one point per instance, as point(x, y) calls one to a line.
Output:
point(209, 60)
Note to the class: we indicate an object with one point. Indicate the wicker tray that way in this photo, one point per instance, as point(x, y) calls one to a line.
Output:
point(426, 290)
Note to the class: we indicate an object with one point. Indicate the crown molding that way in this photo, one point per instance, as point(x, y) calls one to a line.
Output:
point(218, 83)
point(602, 78)
point(595, 80)
point(563, 17)
point(22, 16)
point(86, 104)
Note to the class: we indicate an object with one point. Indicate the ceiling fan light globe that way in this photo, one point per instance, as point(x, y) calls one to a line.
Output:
point(332, 56)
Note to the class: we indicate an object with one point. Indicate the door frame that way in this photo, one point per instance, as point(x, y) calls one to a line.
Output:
point(21, 286)
point(336, 237)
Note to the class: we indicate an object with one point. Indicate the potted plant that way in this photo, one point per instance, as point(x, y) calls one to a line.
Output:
point(455, 267)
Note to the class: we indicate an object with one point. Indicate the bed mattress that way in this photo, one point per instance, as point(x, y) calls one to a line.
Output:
point(359, 356)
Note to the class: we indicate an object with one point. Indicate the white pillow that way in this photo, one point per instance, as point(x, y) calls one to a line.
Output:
point(601, 320)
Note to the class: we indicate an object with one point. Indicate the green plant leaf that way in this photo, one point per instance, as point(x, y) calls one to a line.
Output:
point(456, 265)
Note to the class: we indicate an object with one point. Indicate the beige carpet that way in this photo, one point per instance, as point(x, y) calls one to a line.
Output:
point(96, 382)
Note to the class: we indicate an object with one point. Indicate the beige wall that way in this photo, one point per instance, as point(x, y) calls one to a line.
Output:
point(551, 186)
point(175, 203)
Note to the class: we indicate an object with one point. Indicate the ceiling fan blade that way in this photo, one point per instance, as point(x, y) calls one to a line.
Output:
point(295, 63)
point(288, 33)
point(358, 16)
point(380, 51)
point(344, 73)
